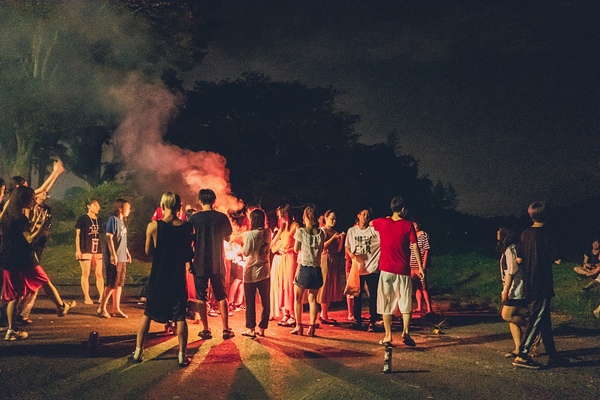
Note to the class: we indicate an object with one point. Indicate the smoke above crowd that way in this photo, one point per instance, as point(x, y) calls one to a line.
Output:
point(69, 65)
point(157, 165)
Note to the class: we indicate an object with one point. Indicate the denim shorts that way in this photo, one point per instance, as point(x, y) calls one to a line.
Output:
point(309, 277)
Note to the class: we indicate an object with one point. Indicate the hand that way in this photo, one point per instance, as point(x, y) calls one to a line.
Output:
point(78, 255)
point(58, 167)
point(421, 273)
point(113, 259)
point(128, 257)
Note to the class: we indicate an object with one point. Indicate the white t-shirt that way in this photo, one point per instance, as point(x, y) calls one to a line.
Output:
point(311, 247)
point(509, 266)
point(365, 244)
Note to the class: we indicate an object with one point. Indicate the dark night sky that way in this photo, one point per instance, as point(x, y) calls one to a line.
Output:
point(498, 98)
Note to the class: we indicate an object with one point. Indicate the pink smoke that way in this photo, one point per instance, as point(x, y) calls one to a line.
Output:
point(159, 166)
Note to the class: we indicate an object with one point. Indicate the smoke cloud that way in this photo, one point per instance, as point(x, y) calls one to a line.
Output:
point(159, 166)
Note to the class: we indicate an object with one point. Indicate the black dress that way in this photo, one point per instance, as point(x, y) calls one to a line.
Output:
point(167, 294)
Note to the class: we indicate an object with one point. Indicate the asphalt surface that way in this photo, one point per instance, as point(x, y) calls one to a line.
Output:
point(463, 361)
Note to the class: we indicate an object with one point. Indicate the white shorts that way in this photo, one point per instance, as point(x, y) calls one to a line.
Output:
point(394, 292)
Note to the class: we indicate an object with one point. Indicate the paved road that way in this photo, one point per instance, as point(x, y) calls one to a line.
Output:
point(464, 362)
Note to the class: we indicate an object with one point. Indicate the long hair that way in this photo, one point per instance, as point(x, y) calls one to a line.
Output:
point(309, 214)
point(507, 238)
point(257, 219)
point(21, 197)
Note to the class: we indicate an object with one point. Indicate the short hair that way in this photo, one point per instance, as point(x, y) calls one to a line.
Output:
point(257, 219)
point(537, 211)
point(91, 200)
point(170, 201)
point(15, 182)
point(2, 183)
point(397, 204)
point(207, 196)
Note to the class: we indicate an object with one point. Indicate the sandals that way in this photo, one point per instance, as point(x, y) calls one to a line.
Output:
point(311, 331)
point(228, 334)
point(386, 343)
point(408, 341)
point(205, 334)
point(186, 361)
point(119, 314)
point(289, 323)
point(298, 330)
point(328, 321)
point(260, 332)
point(103, 314)
point(136, 360)
point(284, 320)
point(249, 333)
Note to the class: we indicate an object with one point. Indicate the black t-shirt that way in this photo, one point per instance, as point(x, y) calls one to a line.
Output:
point(17, 252)
point(211, 228)
point(538, 251)
point(91, 229)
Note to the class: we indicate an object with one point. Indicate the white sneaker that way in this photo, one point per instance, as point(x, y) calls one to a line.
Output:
point(67, 305)
point(15, 335)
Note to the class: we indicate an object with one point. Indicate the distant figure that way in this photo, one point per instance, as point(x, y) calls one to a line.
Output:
point(116, 256)
point(309, 245)
point(332, 263)
point(538, 252)
point(283, 268)
point(169, 241)
point(211, 229)
point(420, 283)
point(398, 240)
point(362, 246)
point(591, 265)
point(513, 287)
point(256, 273)
point(89, 231)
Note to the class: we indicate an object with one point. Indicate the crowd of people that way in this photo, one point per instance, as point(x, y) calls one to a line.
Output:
point(208, 263)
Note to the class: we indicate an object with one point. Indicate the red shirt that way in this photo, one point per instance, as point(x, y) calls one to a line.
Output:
point(396, 238)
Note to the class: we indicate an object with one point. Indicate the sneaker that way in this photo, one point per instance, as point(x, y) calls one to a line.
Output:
point(67, 305)
point(213, 313)
point(526, 363)
point(15, 335)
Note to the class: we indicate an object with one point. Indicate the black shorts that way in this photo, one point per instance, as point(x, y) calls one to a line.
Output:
point(217, 283)
point(309, 277)
point(115, 274)
point(516, 303)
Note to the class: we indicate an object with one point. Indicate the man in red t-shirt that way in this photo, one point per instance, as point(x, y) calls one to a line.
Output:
point(398, 239)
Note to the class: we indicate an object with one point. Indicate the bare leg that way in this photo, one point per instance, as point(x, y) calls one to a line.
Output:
point(116, 303)
point(515, 322)
point(427, 300)
point(325, 311)
point(405, 323)
point(182, 336)
point(52, 294)
point(387, 326)
point(235, 285)
point(223, 307)
point(418, 296)
point(143, 329)
point(312, 305)
point(298, 294)
point(350, 304)
point(11, 306)
point(85, 280)
point(203, 314)
point(105, 297)
point(99, 279)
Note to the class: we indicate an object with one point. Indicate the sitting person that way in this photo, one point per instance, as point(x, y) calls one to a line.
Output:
point(591, 261)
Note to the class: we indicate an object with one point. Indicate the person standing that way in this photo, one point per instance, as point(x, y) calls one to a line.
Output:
point(115, 259)
point(538, 252)
point(211, 229)
point(89, 229)
point(309, 245)
point(398, 240)
point(256, 273)
point(362, 246)
point(168, 240)
point(419, 283)
point(332, 262)
point(283, 268)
